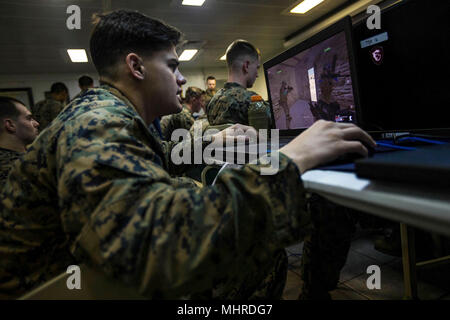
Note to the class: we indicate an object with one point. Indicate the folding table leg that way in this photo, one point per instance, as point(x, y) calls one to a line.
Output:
point(409, 262)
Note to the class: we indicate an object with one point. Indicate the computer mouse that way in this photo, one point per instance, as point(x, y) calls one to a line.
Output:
point(350, 157)
point(370, 149)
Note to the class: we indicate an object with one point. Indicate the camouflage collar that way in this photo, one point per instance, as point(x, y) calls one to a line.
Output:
point(229, 85)
point(118, 94)
point(186, 109)
point(4, 150)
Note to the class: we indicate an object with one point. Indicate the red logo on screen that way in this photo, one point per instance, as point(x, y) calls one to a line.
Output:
point(377, 55)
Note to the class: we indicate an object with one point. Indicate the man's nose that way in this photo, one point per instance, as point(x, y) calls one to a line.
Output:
point(180, 79)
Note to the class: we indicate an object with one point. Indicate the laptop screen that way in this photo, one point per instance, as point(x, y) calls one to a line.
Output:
point(313, 81)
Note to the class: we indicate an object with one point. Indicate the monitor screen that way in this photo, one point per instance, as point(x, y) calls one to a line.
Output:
point(313, 80)
point(403, 68)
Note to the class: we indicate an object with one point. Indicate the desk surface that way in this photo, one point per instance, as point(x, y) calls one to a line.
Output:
point(424, 207)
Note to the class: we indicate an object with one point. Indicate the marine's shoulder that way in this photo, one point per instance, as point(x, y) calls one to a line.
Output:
point(49, 102)
point(98, 103)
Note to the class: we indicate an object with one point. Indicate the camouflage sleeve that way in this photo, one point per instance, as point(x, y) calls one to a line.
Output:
point(166, 125)
point(148, 231)
point(228, 108)
point(269, 114)
point(175, 121)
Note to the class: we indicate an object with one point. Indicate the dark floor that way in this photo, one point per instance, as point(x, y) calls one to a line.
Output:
point(433, 282)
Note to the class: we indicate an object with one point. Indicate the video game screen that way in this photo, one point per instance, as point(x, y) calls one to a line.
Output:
point(314, 84)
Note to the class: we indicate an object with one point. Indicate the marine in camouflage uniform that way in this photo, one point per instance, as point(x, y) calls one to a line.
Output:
point(183, 119)
point(45, 111)
point(209, 94)
point(230, 105)
point(96, 187)
point(7, 158)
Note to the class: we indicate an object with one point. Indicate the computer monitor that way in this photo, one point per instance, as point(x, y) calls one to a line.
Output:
point(314, 80)
point(404, 68)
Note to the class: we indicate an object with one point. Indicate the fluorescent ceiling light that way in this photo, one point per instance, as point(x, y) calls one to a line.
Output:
point(305, 6)
point(187, 54)
point(224, 57)
point(77, 55)
point(197, 3)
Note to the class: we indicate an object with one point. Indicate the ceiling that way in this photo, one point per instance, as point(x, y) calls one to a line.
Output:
point(34, 36)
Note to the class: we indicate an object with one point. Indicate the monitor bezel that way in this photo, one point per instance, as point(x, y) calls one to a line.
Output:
point(343, 25)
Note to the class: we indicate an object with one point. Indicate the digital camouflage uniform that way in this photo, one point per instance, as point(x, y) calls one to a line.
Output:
point(209, 94)
point(45, 111)
point(181, 120)
point(202, 122)
point(7, 158)
point(230, 105)
point(96, 187)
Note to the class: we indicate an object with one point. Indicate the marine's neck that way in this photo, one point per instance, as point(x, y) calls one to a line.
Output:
point(237, 78)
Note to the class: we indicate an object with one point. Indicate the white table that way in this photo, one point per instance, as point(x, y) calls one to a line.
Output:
point(422, 206)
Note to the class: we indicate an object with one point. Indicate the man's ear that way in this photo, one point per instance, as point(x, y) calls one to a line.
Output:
point(245, 66)
point(135, 66)
point(10, 126)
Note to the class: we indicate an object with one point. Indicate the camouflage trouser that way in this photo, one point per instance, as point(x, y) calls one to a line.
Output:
point(325, 249)
point(273, 285)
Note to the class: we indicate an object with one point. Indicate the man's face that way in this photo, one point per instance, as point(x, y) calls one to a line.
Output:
point(211, 84)
point(61, 96)
point(26, 126)
point(253, 68)
point(163, 82)
point(82, 88)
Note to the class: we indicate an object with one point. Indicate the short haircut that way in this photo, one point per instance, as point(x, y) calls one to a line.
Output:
point(8, 109)
point(85, 81)
point(210, 78)
point(239, 49)
point(193, 92)
point(121, 32)
point(58, 87)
